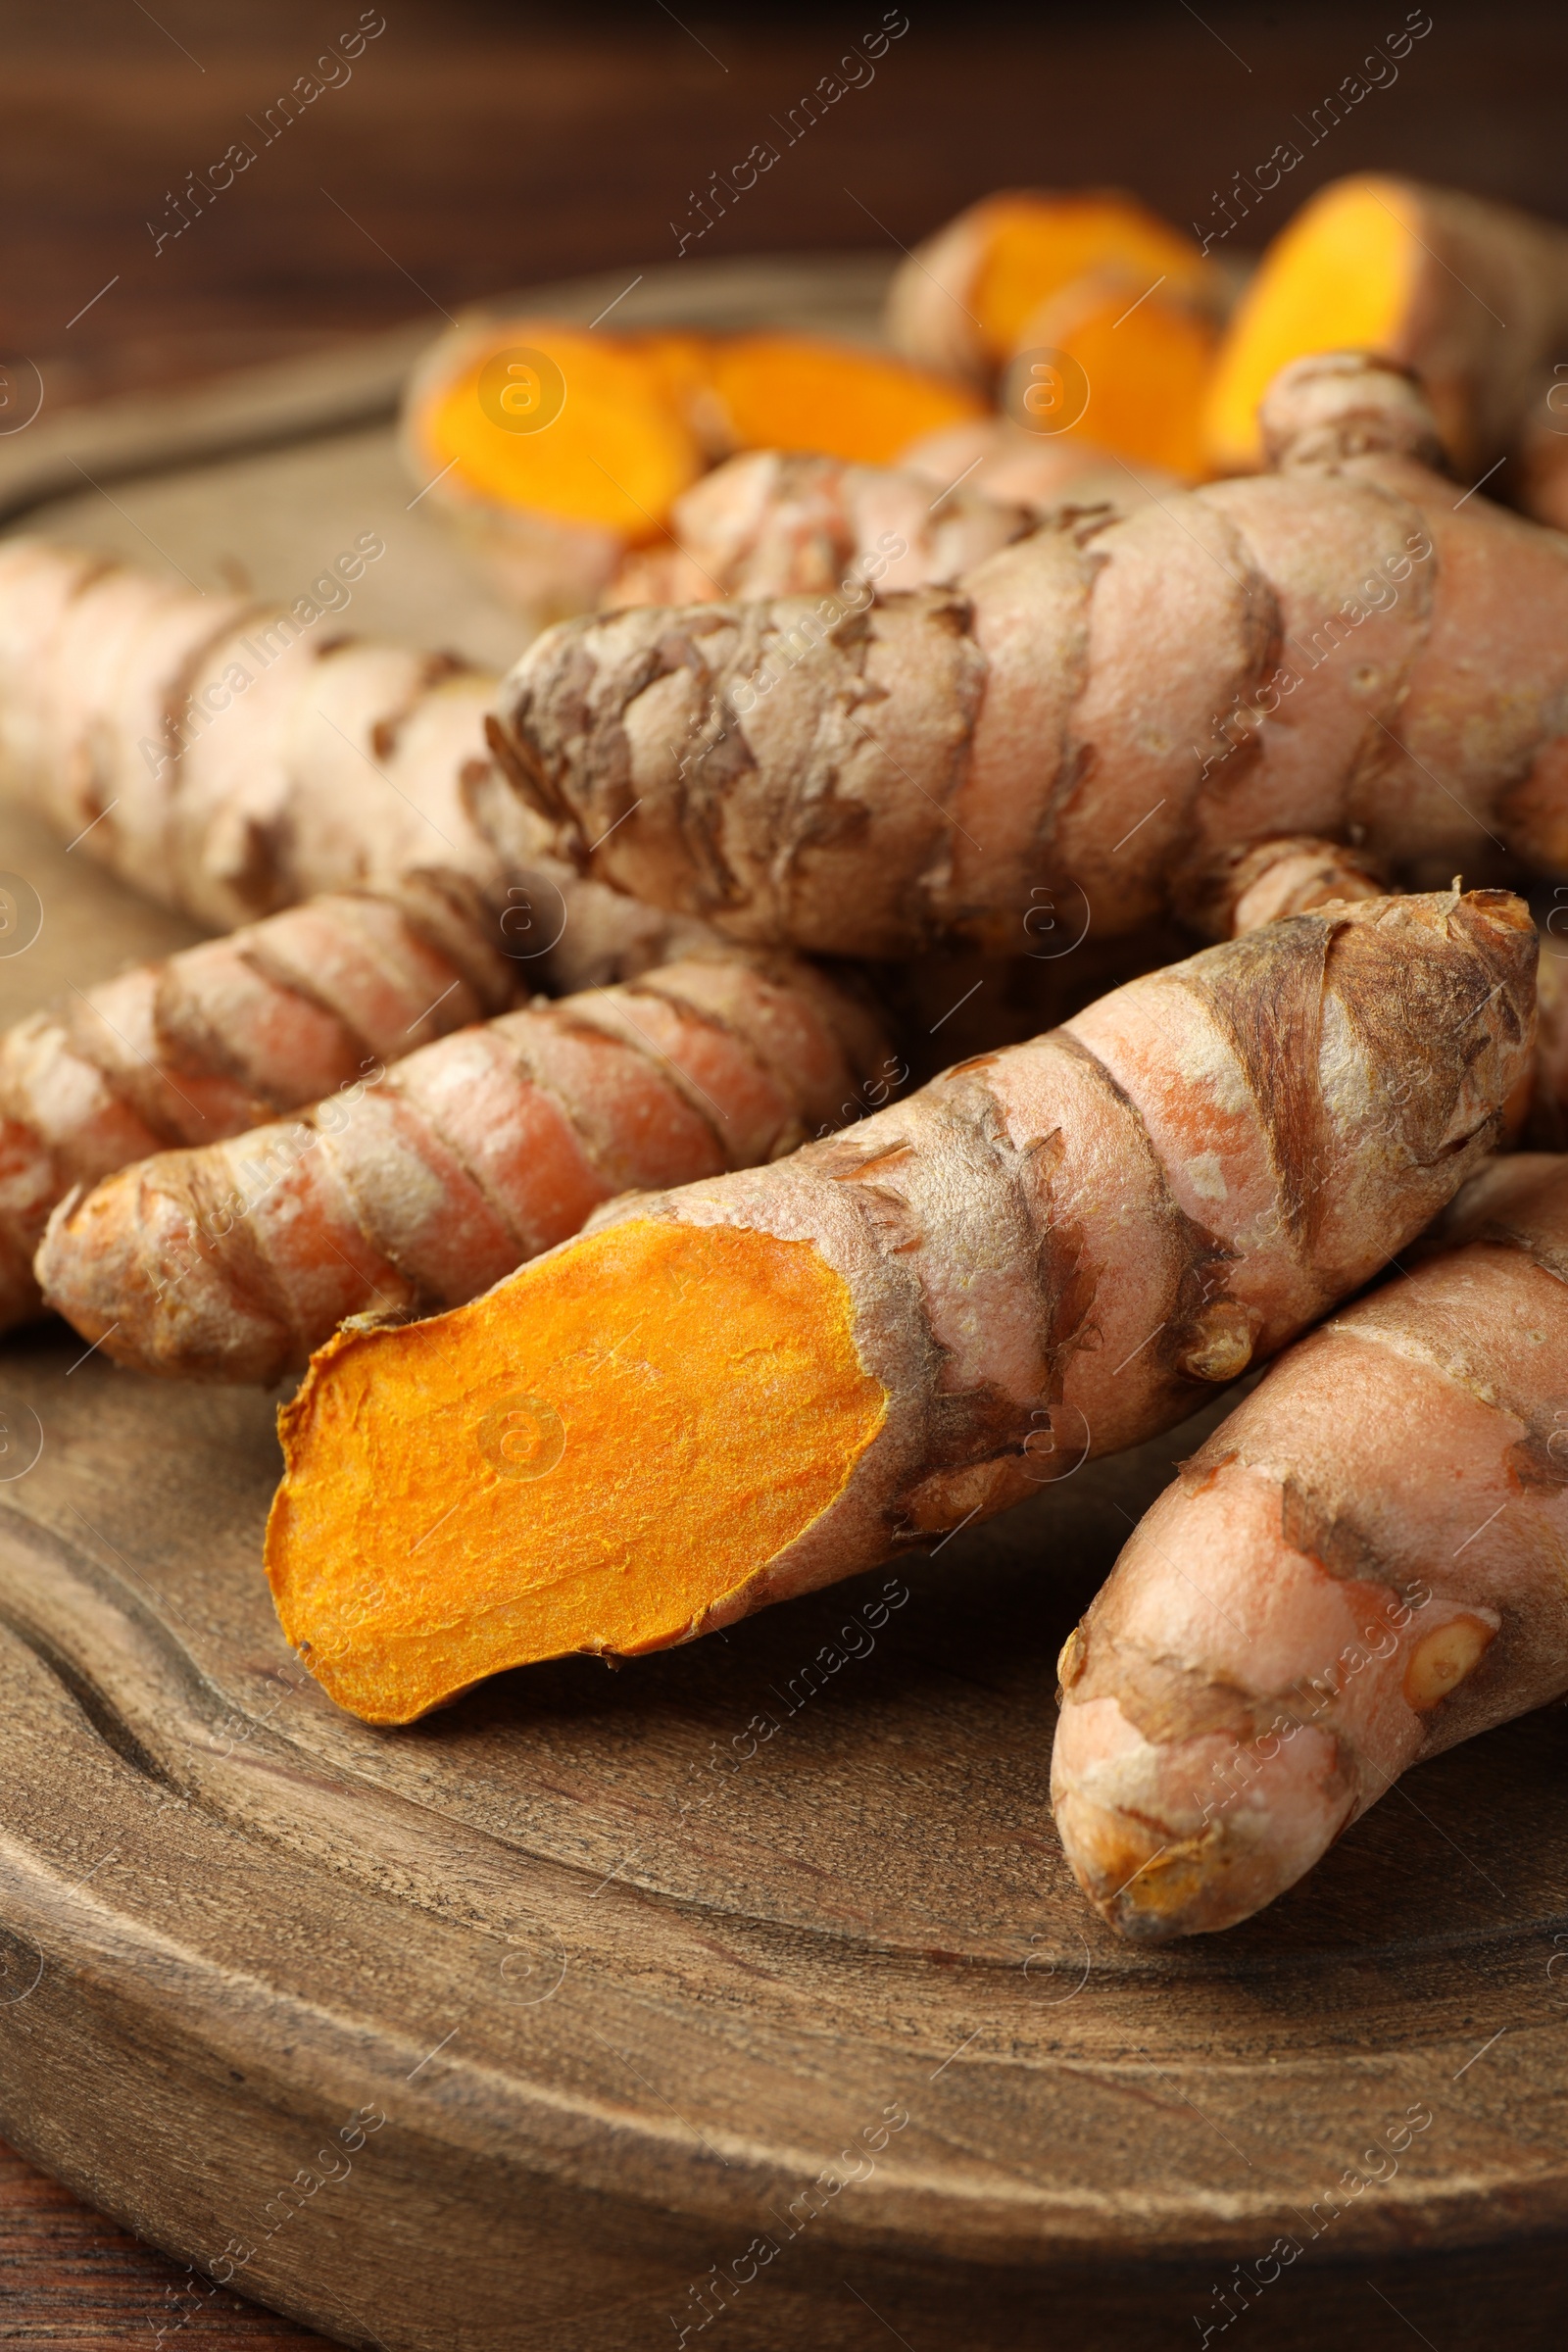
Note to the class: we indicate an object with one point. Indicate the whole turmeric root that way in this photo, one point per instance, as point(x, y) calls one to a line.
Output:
point(213, 1040)
point(735, 1392)
point(1000, 460)
point(416, 1187)
point(228, 760)
point(1361, 1567)
point(1471, 296)
point(1127, 709)
point(770, 524)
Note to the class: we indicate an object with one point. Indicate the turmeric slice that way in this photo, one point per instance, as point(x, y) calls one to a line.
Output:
point(593, 1392)
point(751, 1387)
point(965, 298)
point(1138, 359)
point(1360, 1568)
point(554, 448)
point(1112, 710)
point(416, 1186)
point(1424, 278)
point(581, 426)
point(835, 400)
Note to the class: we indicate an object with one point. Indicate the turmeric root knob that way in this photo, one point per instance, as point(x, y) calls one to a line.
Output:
point(632, 1461)
point(1443, 1658)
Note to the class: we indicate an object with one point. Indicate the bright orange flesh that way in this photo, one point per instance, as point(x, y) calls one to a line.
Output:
point(788, 392)
point(591, 1457)
point(1147, 361)
point(1035, 245)
point(618, 451)
point(1338, 277)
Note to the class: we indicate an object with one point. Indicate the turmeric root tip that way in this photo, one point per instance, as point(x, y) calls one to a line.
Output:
point(600, 1454)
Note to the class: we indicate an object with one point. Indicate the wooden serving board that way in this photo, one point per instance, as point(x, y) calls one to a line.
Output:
point(748, 1980)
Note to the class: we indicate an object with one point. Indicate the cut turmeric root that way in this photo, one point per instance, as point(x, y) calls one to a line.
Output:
point(964, 300)
point(1125, 709)
point(756, 1385)
point(416, 1187)
point(1361, 1567)
point(1127, 367)
point(793, 393)
point(563, 452)
point(594, 1391)
point(556, 448)
point(211, 1042)
point(1471, 296)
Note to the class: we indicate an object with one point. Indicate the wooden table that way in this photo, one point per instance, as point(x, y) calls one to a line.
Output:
point(466, 150)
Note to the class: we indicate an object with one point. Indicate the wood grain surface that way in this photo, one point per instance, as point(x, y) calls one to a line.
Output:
point(68, 2277)
point(479, 148)
point(755, 1964)
point(639, 1967)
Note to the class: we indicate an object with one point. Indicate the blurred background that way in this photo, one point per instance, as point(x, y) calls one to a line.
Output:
point(468, 149)
point(478, 148)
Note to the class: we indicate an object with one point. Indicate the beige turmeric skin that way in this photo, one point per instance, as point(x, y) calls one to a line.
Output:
point(776, 1378)
point(1361, 1567)
point(428, 1178)
point(229, 760)
point(1124, 707)
point(211, 1042)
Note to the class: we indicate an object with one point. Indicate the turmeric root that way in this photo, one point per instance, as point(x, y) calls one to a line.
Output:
point(1538, 481)
point(1129, 368)
point(1545, 1127)
point(1361, 1567)
point(554, 448)
point(229, 760)
point(561, 451)
point(965, 298)
point(416, 1187)
point(738, 1392)
point(211, 1042)
point(1043, 472)
point(1469, 295)
point(834, 399)
point(1127, 709)
point(767, 524)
